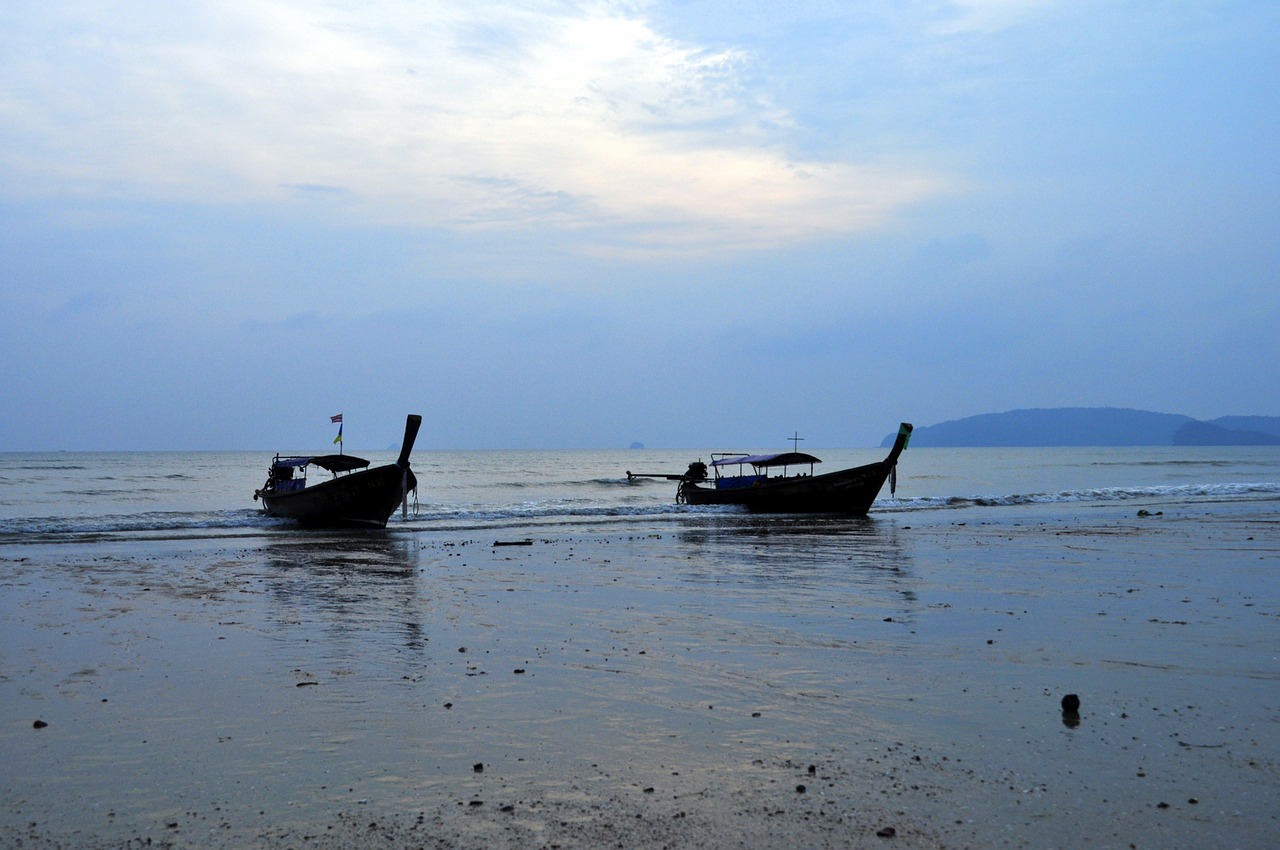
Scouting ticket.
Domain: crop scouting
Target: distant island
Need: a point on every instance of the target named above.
(1095, 426)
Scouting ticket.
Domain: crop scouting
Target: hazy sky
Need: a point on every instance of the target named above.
(691, 223)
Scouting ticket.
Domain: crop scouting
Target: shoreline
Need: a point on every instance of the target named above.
(655, 685)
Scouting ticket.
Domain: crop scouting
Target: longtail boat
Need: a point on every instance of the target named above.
(355, 496)
(750, 481)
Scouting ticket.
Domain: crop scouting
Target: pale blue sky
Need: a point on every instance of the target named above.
(579, 224)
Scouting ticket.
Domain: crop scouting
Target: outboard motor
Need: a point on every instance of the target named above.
(697, 471)
(275, 474)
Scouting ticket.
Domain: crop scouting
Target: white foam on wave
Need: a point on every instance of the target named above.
(542, 510)
(153, 521)
(1099, 494)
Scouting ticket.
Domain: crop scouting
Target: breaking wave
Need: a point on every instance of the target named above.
(587, 510)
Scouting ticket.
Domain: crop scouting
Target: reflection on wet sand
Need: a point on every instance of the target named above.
(710, 667)
(852, 553)
(346, 583)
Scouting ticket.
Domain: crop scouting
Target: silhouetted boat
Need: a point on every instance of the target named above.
(848, 491)
(364, 498)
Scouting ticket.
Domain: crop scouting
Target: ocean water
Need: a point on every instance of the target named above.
(63, 496)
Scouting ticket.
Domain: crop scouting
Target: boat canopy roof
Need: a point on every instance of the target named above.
(762, 461)
(333, 463)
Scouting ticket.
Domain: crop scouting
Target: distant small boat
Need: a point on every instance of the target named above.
(848, 491)
(362, 499)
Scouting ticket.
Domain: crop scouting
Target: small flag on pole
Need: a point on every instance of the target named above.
(338, 439)
(336, 419)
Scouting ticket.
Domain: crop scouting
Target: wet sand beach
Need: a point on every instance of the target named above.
(717, 681)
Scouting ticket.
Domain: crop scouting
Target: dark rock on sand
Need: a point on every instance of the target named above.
(1070, 711)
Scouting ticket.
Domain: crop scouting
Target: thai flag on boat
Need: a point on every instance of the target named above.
(336, 419)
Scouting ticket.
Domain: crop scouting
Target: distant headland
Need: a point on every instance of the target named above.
(1095, 426)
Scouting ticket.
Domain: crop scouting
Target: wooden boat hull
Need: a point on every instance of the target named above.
(359, 500)
(848, 491)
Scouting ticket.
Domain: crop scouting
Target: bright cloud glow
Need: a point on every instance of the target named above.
(582, 117)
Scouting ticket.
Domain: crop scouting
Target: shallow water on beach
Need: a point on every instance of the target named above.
(67, 495)
(217, 674)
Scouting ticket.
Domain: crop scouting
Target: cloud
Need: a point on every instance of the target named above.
(988, 16)
(581, 117)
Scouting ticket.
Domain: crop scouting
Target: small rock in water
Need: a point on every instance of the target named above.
(39, 724)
